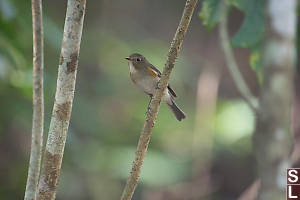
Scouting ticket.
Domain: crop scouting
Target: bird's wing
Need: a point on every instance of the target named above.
(172, 92)
(155, 72)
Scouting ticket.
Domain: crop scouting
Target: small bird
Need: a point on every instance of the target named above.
(146, 77)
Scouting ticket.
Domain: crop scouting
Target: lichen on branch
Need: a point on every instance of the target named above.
(64, 96)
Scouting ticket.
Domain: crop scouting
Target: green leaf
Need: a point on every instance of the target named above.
(298, 33)
(211, 12)
(251, 32)
(239, 4)
(256, 61)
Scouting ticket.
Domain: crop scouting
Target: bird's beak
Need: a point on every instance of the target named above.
(127, 58)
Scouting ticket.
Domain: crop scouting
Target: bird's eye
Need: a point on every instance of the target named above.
(138, 59)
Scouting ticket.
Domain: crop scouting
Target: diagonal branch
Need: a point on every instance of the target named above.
(64, 96)
(155, 103)
(38, 102)
(231, 62)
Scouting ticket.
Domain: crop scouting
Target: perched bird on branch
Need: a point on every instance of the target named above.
(146, 77)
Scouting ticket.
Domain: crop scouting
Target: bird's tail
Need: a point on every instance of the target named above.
(179, 114)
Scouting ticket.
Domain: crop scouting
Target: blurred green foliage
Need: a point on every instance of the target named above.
(251, 32)
(211, 12)
(237, 112)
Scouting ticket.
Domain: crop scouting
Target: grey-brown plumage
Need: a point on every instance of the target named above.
(146, 77)
(179, 114)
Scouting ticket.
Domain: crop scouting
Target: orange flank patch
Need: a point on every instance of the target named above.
(152, 72)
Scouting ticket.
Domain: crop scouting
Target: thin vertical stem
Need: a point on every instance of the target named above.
(38, 102)
(231, 62)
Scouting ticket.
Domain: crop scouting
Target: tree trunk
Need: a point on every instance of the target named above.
(59, 124)
(272, 139)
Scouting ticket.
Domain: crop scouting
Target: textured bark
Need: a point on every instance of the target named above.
(272, 139)
(232, 64)
(67, 69)
(38, 102)
(155, 103)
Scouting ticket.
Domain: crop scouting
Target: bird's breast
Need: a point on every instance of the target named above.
(143, 80)
(132, 68)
